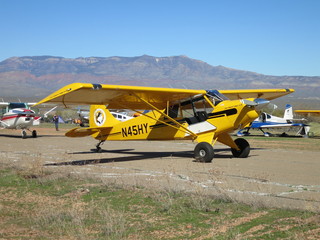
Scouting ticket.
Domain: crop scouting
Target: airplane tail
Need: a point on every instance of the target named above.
(100, 116)
(288, 113)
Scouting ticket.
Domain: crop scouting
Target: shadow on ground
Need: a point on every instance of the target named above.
(133, 156)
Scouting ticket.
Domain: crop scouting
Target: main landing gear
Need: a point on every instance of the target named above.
(204, 152)
(244, 148)
(24, 133)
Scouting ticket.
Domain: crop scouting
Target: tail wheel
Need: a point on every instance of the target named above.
(244, 148)
(203, 152)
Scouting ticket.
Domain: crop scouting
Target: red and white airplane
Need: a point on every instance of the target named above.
(18, 116)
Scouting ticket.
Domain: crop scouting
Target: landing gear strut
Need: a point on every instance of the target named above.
(99, 150)
(266, 134)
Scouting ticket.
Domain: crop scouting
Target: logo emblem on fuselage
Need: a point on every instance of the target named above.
(99, 117)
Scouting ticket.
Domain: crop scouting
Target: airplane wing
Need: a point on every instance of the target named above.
(308, 112)
(134, 97)
(3, 104)
(16, 104)
(275, 125)
(269, 94)
(118, 97)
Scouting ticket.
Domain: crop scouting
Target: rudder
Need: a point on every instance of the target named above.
(288, 113)
(100, 116)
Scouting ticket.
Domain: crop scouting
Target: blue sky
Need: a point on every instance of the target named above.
(274, 37)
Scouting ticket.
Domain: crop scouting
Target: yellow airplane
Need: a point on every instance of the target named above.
(204, 116)
(308, 112)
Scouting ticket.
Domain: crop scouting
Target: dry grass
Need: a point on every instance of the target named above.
(55, 206)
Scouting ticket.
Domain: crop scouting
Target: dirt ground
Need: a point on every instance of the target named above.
(274, 175)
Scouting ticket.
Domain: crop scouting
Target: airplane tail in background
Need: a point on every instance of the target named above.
(288, 113)
(100, 116)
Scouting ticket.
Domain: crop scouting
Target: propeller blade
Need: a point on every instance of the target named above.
(261, 103)
(249, 103)
(257, 103)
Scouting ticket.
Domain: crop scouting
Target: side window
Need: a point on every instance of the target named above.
(173, 111)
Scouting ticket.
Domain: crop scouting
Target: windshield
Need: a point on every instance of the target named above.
(17, 105)
(216, 96)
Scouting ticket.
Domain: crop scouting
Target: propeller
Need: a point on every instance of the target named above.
(258, 103)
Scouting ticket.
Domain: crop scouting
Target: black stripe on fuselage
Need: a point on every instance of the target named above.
(228, 112)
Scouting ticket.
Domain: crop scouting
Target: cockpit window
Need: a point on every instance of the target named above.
(17, 105)
(216, 96)
(196, 108)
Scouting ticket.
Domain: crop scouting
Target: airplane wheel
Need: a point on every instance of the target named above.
(244, 148)
(203, 152)
(34, 134)
(24, 134)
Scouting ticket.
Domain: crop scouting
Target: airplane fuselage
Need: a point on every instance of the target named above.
(19, 118)
(226, 116)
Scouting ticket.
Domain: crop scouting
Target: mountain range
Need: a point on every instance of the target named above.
(38, 76)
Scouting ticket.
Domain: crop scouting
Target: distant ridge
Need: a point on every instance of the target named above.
(41, 75)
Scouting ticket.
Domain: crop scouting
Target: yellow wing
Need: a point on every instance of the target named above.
(133, 97)
(118, 97)
(308, 112)
(256, 93)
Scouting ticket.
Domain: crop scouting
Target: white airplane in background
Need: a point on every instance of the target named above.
(18, 116)
(268, 121)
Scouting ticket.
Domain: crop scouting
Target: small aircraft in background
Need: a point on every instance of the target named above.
(203, 116)
(84, 116)
(19, 116)
(268, 121)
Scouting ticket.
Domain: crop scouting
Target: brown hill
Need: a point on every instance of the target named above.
(40, 75)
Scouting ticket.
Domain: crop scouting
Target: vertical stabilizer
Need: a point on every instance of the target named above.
(288, 113)
(100, 116)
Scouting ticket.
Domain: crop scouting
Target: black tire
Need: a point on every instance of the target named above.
(204, 152)
(244, 148)
(34, 134)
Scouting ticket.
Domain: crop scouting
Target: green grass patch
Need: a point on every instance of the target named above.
(52, 206)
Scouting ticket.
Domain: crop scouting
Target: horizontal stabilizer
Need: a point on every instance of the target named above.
(82, 132)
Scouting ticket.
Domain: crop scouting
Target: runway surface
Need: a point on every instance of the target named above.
(274, 175)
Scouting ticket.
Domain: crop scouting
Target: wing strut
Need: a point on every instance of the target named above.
(167, 116)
